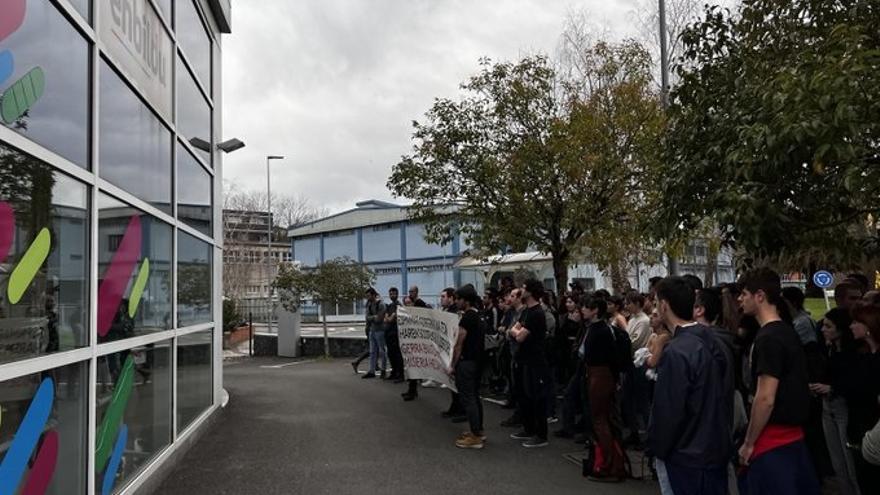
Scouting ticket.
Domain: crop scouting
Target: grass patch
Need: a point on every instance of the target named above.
(816, 306)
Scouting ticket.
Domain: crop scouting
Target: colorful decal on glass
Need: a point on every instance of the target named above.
(13, 16)
(113, 416)
(137, 290)
(44, 465)
(23, 274)
(117, 275)
(7, 229)
(21, 96)
(15, 462)
(7, 64)
(113, 465)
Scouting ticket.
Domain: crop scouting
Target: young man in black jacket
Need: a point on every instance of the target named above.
(690, 429)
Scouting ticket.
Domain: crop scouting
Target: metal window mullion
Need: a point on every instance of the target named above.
(73, 15)
(94, 124)
(191, 71)
(127, 197)
(192, 151)
(42, 363)
(201, 327)
(130, 343)
(130, 83)
(174, 391)
(44, 154)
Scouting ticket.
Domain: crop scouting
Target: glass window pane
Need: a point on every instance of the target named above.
(193, 280)
(165, 8)
(193, 112)
(44, 88)
(195, 378)
(143, 414)
(134, 264)
(193, 192)
(44, 231)
(62, 394)
(194, 39)
(135, 146)
(82, 6)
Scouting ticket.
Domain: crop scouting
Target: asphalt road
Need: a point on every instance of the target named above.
(316, 428)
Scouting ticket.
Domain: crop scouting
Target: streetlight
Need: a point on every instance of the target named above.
(672, 263)
(269, 159)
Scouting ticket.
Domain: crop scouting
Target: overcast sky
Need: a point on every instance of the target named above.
(334, 84)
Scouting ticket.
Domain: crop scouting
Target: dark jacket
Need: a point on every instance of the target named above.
(693, 401)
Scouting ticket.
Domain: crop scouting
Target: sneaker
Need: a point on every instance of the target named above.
(407, 397)
(369, 375)
(469, 442)
(482, 437)
(521, 435)
(552, 420)
(534, 443)
(354, 366)
(430, 383)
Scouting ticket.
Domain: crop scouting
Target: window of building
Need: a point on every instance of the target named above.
(193, 280)
(143, 414)
(46, 95)
(194, 40)
(43, 306)
(61, 396)
(165, 8)
(193, 111)
(135, 146)
(195, 376)
(83, 7)
(193, 192)
(134, 291)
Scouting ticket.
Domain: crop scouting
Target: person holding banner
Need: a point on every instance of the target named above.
(466, 365)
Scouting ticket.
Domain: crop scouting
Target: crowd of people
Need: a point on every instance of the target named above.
(732, 389)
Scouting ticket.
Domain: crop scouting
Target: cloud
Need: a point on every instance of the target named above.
(335, 84)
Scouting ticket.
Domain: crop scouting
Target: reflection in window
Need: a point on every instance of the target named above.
(193, 112)
(193, 192)
(135, 147)
(62, 395)
(195, 378)
(194, 39)
(44, 231)
(138, 413)
(82, 6)
(193, 280)
(165, 9)
(134, 265)
(46, 98)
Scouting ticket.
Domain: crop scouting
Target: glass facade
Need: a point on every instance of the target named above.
(109, 353)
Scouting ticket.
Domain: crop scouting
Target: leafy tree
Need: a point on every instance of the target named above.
(528, 159)
(337, 281)
(774, 132)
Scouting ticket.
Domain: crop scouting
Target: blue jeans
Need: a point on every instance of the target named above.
(835, 416)
(663, 477)
(377, 348)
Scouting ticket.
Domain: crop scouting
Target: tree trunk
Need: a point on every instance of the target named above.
(326, 335)
(560, 272)
(619, 281)
(711, 266)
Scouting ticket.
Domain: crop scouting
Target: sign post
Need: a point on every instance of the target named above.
(823, 280)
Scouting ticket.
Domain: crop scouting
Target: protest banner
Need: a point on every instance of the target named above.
(427, 338)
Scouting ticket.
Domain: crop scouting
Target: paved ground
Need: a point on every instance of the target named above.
(316, 428)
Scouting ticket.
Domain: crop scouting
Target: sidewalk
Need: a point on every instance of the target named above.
(314, 427)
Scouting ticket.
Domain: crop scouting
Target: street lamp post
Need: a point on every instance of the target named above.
(269, 232)
(672, 263)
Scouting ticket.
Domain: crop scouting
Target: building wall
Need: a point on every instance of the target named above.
(108, 239)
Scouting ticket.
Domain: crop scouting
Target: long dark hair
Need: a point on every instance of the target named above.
(842, 320)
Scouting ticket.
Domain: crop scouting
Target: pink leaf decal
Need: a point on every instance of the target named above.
(13, 16)
(116, 276)
(7, 229)
(44, 466)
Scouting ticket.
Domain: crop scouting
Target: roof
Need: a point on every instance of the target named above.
(366, 213)
(507, 260)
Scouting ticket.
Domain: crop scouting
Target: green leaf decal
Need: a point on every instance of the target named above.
(113, 416)
(138, 289)
(23, 93)
(28, 266)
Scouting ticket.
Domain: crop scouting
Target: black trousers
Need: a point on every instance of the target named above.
(534, 399)
(392, 343)
(467, 379)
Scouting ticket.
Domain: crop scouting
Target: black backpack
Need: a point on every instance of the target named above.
(623, 352)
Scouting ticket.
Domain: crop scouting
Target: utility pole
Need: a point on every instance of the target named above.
(269, 231)
(672, 263)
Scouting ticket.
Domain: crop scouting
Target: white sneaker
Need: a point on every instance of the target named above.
(430, 383)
